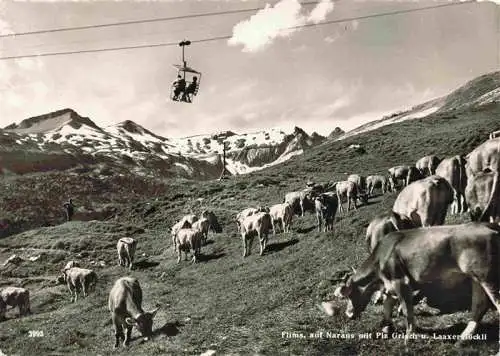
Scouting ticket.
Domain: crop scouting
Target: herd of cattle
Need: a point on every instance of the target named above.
(408, 250)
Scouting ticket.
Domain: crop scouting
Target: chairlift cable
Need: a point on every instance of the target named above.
(218, 38)
(134, 22)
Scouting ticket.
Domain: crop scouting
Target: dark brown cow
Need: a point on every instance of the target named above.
(125, 305)
(414, 259)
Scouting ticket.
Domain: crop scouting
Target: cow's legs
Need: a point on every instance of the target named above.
(118, 332)
(318, 219)
(302, 208)
(389, 303)
(491, 291)
(406, 297)
(262, 240)
(70, 290)
(84, 289)
(128, 335)
(480, 305)
(244, 246)
(273, 223)
(249, 248)
(464, 206)
(179, 253)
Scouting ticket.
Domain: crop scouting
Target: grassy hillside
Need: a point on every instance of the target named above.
(227, 303)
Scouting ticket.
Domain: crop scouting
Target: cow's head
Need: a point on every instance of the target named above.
(143, 323)
(358, 297)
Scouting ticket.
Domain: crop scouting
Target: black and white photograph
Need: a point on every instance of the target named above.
(249, 177)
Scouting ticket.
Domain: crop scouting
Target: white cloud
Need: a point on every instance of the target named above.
(259, 31)
(319, 13)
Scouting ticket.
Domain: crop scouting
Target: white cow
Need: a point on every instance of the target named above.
(125, 305)
(348, 190)
(187, 240)
(258, 224)
(79, 279)
(15, 297)
(126, 247)
(377, 181)
(281, 214)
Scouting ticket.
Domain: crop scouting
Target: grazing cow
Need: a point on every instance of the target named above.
(396, 174)
(360, 181)
(348, 190)
(183, 224)
(417, 259)
(427, 165)
(486, 158)
(478, 192)
(188, 240)
(210, 223)
(408, 174)
(281, 214)
(377, 181)
(258, 224)
(453, 170)
(214, 225)
(15, 297)
(247, 212)
(424, 202)
(79, 279)
(125, 305)
(203, 226)
(326, 208)
(126, 247)
(303, 200)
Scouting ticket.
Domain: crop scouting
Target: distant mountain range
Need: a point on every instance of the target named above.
(64, 140)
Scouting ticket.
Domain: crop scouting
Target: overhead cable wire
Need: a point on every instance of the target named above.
(134, 22)
(218, 38)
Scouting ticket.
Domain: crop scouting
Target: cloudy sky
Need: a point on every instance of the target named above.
(278, 68)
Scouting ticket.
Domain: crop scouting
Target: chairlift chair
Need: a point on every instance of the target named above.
(188, 74)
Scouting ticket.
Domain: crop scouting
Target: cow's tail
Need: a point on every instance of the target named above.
(491, 200)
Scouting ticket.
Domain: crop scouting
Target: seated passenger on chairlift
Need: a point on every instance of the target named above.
(179, 86)
(190, 90)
